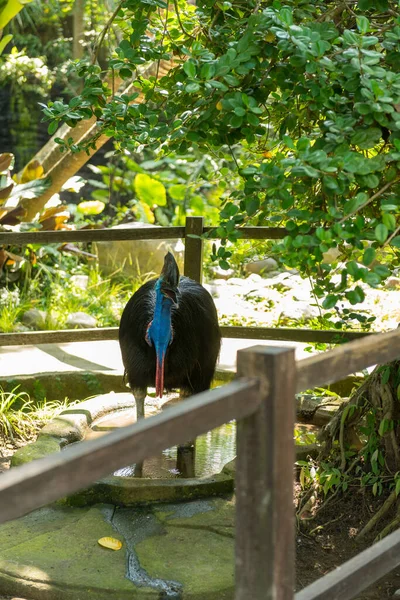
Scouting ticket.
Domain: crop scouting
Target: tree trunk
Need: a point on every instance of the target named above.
(78, 28)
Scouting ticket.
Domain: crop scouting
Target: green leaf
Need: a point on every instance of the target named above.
(207, 71)
(355, 296)
(177, 192)
(362, 24)
(369, 256)
(381, 233)
(372, 279)
(330, 301)
(395, 241)
(286, 16)
(190, 68)
(52, 128)
(389, 220)
(192, 88)
(218, 85)
(382, 271)
(252, 205)
(125, 73)
(149, 190)
(386, 374)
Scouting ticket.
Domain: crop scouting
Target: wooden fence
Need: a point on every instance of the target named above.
(262, 402)
(193, 267)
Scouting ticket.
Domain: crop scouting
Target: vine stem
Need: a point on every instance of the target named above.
(106, 28)
(373, 197)
(386, 506)
(178, 16)
(396, 231)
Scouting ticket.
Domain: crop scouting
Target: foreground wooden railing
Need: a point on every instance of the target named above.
(262, 402)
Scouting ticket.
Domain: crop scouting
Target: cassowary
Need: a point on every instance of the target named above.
(169, 336)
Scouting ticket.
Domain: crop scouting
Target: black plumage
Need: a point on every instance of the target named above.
(192, 353)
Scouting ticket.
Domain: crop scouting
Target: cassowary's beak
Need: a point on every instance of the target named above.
(160, 375)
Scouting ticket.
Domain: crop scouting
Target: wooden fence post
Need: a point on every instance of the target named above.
(264, 479)
(193, 265)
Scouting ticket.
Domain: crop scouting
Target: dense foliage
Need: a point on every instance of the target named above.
(305, 96)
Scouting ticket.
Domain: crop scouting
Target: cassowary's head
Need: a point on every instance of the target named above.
(159, 332)
(169, 278)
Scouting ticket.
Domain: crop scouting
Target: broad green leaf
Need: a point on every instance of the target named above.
(190, 69)
(396, 241)
(369, 256)
(389, 220)
(362, 24)
(149, 190)
(355, 296)
(192, 88)
(177, 191)
(8, 10)
(52, 128)
(330, 301)
(252, 206)
(381, 233)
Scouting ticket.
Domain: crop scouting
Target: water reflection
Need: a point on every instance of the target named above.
(203, 457)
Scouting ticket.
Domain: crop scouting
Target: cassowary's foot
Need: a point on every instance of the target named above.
(140, 396)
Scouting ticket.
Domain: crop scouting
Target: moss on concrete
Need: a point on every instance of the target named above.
(53, 553)
(128, 491)
(194, 550)
(62, 560)
(45, 444)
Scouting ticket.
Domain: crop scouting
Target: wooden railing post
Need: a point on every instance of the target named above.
(193, 265)
(264, 479)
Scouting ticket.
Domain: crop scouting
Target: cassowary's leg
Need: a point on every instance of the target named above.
(185, 459)
(186, 452)
(140, 396)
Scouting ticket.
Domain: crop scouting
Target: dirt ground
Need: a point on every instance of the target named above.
(322, 544)
(328, 541)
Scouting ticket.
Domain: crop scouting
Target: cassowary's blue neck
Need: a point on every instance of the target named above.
(159, 334)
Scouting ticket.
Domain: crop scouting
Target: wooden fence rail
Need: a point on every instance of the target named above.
(193, 267)
(62, 336)
(262, 401)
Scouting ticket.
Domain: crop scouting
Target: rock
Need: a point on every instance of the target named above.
(34, 318)
(137, 257)
(255, 278)
(236, 281)
(299, 310)
(21, 328)
(261, 266)
(219, 273)
(80, 320)
(393, 283)
(80, 281)
(396, 594)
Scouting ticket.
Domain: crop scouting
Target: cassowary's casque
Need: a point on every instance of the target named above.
(169, 336)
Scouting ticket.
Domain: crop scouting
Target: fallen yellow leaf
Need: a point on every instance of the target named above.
(111, 543)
